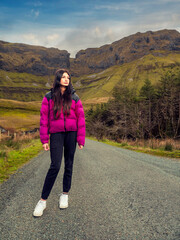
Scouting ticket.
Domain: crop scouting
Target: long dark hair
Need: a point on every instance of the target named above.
(60, 99)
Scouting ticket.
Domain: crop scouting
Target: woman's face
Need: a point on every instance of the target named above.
(65, 79)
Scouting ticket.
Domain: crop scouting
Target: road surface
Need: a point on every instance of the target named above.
(116, 194)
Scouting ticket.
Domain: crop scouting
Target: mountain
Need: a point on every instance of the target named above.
(124, 51)
(16, 57)
(27, 72)
(98, 87)
(42, 61)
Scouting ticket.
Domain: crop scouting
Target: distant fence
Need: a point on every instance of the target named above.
(5, 134)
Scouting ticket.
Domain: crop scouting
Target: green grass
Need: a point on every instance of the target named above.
(12, 160)
(22, 119)
(157, 152)
(25, 115)
(15, 79)
(23, 86)
(131, 75)
(12, 104)
(21, 113)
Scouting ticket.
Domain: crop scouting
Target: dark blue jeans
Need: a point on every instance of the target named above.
(58, 141)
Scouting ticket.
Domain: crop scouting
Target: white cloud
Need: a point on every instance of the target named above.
(94, 35)
(53, 37)
(175, 18)
(37, 35)
(31, 38)
(34, 13)
(97, 31)
(38, 4)
(165, 1)
(34, 3)
(138, 7)
(133, 7)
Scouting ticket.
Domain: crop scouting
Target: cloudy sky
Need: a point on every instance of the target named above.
(74, 25)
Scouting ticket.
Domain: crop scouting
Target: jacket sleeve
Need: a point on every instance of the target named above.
(81, 131)
(44, 121)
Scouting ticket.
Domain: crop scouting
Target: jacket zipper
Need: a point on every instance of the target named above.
(64, 118)
(64, 123)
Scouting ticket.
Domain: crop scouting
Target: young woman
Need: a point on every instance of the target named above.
(62, 116)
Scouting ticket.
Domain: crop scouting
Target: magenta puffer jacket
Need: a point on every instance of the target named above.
(75, 121)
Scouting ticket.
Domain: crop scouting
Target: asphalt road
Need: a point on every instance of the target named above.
(116, 194)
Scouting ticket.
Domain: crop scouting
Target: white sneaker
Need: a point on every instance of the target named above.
(38, 211)
(63, 201)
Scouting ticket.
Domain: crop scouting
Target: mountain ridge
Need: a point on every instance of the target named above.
(124, 50)
(38, 60)
(27, 72)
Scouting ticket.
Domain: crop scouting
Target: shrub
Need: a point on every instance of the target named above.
(3, 154)
(168, 147)
(124, 144)
(13, 144)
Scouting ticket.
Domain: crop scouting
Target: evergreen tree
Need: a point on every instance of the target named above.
(147, 91)
(168, 105)
(147, 94)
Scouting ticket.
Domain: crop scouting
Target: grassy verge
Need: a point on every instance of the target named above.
(14, 154)
(157, 152)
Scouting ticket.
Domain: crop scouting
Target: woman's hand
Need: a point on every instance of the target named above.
(80, 146)
(46, 146)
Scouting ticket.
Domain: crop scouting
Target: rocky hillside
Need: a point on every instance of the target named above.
(98, 87)
(93, 60)
(36, 60)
